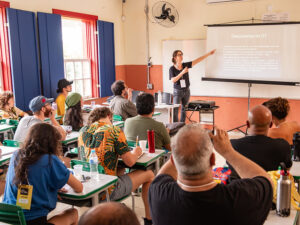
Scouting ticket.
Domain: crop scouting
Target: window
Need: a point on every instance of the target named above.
(77, 64)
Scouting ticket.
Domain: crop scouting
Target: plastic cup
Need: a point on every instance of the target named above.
(143, 144)
(93, 103)
(78, 171)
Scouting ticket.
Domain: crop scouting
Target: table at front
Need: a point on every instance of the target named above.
(165, 117)
(6, 153)
(91, 189)
(146, 160)
(204, 111)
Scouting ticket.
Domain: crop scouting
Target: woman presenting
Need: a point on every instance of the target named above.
(179, 75)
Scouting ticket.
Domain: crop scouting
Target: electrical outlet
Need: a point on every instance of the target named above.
(149, 86)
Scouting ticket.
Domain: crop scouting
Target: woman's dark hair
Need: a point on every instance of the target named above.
(117, 87)
(73, 117)
(4, 98)
(279, 107)
(98, 114)
(174, 56)
(145, 103)
(42, 139)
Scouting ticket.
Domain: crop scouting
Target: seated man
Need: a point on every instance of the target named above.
(109, 213)
(257, 146)
(121, 104)
(110, 143)
(184, 190)
(138, 125)
(41, 108)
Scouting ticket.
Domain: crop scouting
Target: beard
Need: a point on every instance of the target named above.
(47, 112)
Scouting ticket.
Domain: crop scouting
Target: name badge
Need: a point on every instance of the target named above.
(182, 84)
(24, 196)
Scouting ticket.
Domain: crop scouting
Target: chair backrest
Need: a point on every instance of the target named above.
(11, 143)
(166, 98)
(86, 166)
(117, 118)
(12, 214)
(134, 95)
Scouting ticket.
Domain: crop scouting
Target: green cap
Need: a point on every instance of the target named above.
(72, 99)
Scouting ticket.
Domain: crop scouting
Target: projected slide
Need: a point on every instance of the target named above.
(255, 52)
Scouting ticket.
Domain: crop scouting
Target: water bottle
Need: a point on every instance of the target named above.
(159, 98)
(283, 203)
(93, 160)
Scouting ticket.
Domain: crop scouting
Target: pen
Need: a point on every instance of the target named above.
(137, 141)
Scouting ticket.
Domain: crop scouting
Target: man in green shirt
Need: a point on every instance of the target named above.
(138, 125)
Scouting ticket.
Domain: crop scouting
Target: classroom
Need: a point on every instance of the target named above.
(161, 112)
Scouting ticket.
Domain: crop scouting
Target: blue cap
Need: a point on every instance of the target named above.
(38, 102)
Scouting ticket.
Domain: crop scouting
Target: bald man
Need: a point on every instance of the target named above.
(265, 151)
(109, 213)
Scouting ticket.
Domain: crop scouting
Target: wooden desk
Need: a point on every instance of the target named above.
(147, 159)
(91, 189)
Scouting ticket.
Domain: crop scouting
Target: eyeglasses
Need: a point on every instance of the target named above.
(180, 54)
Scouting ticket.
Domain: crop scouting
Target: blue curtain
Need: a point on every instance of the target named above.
(106, 48)
(24, 56)
(51, 52)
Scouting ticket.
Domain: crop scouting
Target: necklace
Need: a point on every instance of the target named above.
(200, 186)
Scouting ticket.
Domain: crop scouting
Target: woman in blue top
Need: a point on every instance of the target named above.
(38, 164)
(179, 75)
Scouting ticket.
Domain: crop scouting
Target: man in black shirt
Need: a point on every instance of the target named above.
(263, 150)
(184, 191)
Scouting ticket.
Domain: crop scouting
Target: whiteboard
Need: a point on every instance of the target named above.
(194, 48)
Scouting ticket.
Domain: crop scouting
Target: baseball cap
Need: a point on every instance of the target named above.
(62, 84)
(38, 102)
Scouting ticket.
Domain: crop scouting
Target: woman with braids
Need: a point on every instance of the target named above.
(38, 165)
(73, 116)
(110, 143)
(283, 129)
(8, 110)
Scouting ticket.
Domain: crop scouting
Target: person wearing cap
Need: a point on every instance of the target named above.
(41, 108)
(63, 88)
(73, 116)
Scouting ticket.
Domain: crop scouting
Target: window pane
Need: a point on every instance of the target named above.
(86, 69)
(78, 70)
(79, 86)
(87, 88)
(69, 66)
(73, 39)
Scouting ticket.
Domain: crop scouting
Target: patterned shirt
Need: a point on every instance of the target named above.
(14, 113)
(108, 141)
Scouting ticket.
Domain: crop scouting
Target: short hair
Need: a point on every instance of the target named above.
(145, 103)
(192, 149)
(4, 98)
(279, 107)
(97, 114)
(117, 87)
(109, 213)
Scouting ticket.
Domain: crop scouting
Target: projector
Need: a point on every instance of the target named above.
(199, 104)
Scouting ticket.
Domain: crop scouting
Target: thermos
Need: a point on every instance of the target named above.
(283, 203)
(151, 141)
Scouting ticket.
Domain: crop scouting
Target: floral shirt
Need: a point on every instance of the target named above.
(14, 113)
(108, 141)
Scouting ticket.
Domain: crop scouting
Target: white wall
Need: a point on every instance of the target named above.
(107, 10)
(193, 14)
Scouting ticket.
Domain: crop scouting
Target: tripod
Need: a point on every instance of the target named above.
(244, 125)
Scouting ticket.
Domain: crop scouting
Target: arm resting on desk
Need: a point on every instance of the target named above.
(130, 158)
(75, 184)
